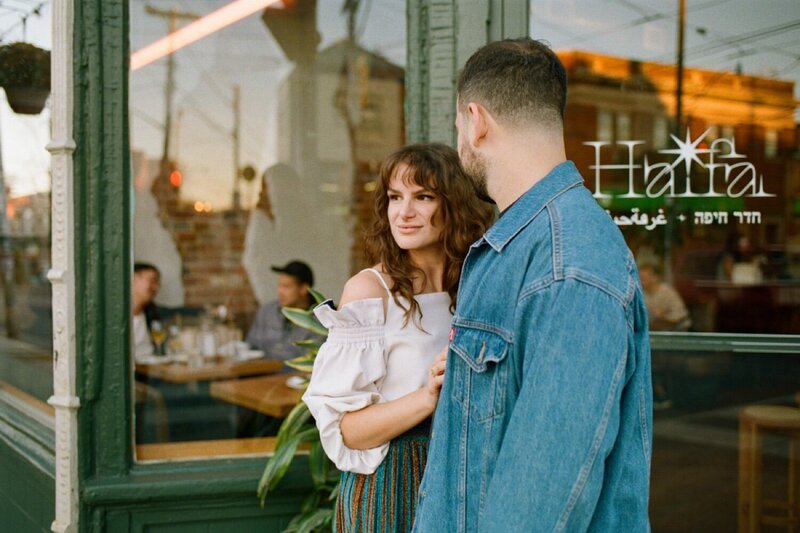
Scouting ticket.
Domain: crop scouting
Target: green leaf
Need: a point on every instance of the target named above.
(311, 502)
(318, 296)
(293, 423)
(304, 319)
(334, 495)
(304, 363)
(318, 464)
(319, 520)
(311, 344)
(280, 461)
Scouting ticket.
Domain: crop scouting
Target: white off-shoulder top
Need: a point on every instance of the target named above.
(369, 359)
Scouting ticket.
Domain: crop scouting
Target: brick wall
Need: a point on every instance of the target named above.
(211, 245)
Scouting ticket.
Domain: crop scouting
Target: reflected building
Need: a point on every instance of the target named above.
(340, 113)
(613, 101)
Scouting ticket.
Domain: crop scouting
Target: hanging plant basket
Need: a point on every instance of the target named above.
(27, 100)
(25, 76)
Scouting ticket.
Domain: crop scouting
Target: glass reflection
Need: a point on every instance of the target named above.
(254, 144)
(25, 297)
(707, 200)
(708, 196)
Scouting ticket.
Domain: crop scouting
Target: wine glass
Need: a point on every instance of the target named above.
(159, 335)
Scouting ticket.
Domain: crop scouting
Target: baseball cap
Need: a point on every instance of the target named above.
(298, 269)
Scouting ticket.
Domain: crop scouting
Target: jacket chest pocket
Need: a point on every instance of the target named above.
(479, 373)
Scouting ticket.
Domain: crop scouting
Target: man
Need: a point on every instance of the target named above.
(665, 311)
(665, 307)
(144, 288)
(544, 420)
(271, 331)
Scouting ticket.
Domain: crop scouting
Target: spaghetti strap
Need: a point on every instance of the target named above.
(380, 278)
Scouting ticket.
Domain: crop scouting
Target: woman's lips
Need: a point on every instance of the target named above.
(408, 229)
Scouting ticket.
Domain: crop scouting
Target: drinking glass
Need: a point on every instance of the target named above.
(159, 335)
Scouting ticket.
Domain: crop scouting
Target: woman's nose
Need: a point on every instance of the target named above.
(407, 209)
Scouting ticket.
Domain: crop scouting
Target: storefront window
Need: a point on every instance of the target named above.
(256, 135)
(26, 334)
(703, 183)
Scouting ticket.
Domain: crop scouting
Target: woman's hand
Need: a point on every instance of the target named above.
(436, 378)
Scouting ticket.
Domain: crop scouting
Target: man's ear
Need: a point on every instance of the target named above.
(478, 121)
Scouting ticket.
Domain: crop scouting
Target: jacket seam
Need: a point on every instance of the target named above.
(583, 476)
(483, 326)
(555, 239)
(502, 244)
(577, 275)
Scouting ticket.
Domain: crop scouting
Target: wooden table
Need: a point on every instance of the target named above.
(266, 394)
(219, 369)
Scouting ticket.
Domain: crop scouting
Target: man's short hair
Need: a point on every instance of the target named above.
(141, 267)
(519, 81)
(297, 269)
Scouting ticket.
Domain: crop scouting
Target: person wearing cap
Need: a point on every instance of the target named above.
(271, 331)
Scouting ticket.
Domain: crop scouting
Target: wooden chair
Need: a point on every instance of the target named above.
(148, 395)
(754, 422)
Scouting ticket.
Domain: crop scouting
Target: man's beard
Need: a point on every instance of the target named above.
(475, 167)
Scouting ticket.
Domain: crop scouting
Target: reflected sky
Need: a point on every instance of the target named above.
(727, 35)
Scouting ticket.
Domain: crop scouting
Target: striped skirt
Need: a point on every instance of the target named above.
(384, 502)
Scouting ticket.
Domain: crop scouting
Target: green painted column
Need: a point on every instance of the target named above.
(442, 34)
(102, 237)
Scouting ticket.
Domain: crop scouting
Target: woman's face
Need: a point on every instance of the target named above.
(413, 211)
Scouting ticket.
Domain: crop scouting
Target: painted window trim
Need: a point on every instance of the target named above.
(93, 201)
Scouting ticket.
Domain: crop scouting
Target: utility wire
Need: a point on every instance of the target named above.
(23, 19)
(147, 118)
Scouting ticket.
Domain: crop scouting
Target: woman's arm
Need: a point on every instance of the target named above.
(379, 423)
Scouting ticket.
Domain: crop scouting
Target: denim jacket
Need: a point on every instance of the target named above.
(544, 421)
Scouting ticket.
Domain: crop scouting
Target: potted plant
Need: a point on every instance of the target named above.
(316, 511)
(25, 76)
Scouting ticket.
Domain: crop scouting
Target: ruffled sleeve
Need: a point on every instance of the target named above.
(348, 371)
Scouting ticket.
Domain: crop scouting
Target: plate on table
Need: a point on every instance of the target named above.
(297, 382)
(247, 355)
(181, 357)
(154, 359)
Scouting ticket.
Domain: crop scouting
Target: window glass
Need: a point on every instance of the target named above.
(605, 130)
(710, 214)
(715, 190)
(26, 335)
(255, 146)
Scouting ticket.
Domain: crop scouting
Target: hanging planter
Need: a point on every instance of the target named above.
(25, 76)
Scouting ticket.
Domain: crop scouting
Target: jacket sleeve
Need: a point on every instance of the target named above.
(572, 361)
(347, 375)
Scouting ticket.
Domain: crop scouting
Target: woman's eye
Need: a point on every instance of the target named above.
(426, 197)
(394, 197)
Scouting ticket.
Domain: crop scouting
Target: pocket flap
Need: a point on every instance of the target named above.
(478, 347)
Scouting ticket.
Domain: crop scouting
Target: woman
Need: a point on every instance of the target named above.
(376, 380)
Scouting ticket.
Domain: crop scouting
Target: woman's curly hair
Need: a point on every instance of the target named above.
(437, 168)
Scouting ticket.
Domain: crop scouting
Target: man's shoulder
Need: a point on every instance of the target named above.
(588, 244)
(272, 307)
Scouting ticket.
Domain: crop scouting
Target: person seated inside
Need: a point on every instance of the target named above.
(271, 331)
(665, 307)
(665, 311)
(144, 288)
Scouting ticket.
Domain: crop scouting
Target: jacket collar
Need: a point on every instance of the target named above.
(519, 214)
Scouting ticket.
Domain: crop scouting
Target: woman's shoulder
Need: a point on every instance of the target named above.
(362, 304)
(367, 284)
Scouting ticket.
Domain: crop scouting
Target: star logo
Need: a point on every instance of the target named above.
(687, 151)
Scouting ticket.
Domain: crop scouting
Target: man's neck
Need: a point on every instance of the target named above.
(521, 163)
